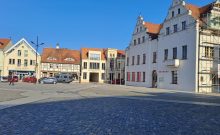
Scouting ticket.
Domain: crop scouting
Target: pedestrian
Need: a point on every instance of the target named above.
(11, 79)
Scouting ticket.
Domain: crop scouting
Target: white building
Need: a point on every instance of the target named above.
(182, 53)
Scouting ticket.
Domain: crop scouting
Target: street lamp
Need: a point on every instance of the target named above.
(37, 46)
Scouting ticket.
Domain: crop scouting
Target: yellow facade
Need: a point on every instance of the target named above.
(89, 74)
(20, 59)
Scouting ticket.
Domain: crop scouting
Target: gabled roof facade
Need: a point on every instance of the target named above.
(60, 56)
(18, 43)
(85, 53)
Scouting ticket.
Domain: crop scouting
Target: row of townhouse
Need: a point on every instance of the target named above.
(86, 65)
(182, 53)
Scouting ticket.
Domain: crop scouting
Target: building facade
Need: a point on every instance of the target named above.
(115, 65)
(93, 63)
(4, 44)
(179, 54)
(58, 60)
(20, 59)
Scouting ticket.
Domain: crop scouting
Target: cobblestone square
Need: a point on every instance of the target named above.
(99, 109)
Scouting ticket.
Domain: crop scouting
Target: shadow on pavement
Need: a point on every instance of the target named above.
(106, 116)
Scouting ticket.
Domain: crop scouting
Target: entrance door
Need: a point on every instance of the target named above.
(94, 77)
(154, 79)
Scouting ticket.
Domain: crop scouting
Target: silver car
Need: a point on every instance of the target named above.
(49, 80)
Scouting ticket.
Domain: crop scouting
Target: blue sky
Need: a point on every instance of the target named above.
(79, 23)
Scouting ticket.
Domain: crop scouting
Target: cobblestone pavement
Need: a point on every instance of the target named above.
(93, 109)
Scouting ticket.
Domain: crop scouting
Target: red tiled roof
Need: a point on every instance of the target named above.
(85, 51)
(60, 56)
(4, 42)
(152, 28)
(121, 52)
(198, 11)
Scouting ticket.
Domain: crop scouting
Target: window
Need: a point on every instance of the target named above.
(137, 30)
(138, 60)
(173, 13)
(175, 28)
(94, 56)
(25, 62)
(84, 75)
(25, 53)
(103, 66)
(174, 77)
(103, 76)
(184, 52)
(144, 58)
(51, 65)
(167, 30)
(179, 11)
(183, 25)
(139, 41)
(132, 60)
(19, 62)
(127, 61)
(209, 52)
(143, 39)
(133, 76)
(11, 61)
(140, 29)
(144, 76)
(119, 65)
(85, 65)
(19, 52)
(138, 76)
(175, 53)
(135, 42)
(128, 77)
(32, 62)
(154, 57)
(166, 54)
(94, 65)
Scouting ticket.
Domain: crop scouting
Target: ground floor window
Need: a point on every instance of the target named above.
(133, 76)
(174, 77)
(138, 76)
(84, 75)
(128, 77)
(103, 76)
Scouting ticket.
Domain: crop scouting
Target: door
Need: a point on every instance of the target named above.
(154, 79)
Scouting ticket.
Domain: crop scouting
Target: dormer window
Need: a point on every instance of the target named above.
(173, 13)
(179, 11)
(51, 58)
(69, 59)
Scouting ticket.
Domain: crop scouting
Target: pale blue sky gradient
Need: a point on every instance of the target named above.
(79, 23)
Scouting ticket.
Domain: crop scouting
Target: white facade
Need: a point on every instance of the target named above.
(175, 72)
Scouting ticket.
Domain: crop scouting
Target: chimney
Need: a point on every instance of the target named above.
(58, 46)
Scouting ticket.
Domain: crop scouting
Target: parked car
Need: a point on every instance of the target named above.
(4, 79)
(15, 78)
(118, 81)
(39, 80)
(64, 78)
(29, 79)
(49, 80)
